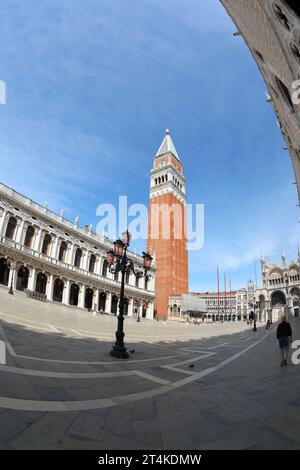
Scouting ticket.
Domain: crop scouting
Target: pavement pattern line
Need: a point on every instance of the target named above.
(7, 343)
(175, 368)
(47, 406)
(81, 375)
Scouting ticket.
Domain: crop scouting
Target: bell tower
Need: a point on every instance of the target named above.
(167, 238)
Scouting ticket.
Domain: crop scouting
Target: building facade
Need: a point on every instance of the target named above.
(167, 240)
(271, 30)
(280, 291)
(223, 306)
(43, 252)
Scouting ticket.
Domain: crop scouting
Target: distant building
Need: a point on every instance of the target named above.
(235, 305)
(280, 291)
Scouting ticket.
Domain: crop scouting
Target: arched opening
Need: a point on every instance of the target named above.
(74, 293)
(278, 298)
(11, 228)
(104, 268)
(88, 299)
(29, 237)
(58, 290)
(92, 263)
(62, 251)
(102, 302)
(41, 283)
(114, 304)
(22, 278)
(4, 271)
(46, 245)
(261, 302)
(127, 277)
(78, 256)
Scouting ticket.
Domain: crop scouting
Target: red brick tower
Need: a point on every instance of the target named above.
(167, 240)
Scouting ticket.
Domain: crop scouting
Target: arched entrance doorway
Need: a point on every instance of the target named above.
(41, 283)
(102, 302)
(278, 303)
(22, 278)
(4, 271)
(74, 292)
(58, 290)
(114, 304)
(88, 300)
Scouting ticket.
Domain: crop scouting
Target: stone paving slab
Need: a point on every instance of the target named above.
(237, 398)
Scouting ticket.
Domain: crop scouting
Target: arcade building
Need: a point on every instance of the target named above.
(52, 258)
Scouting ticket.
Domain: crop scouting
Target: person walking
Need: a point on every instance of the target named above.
(284, 336)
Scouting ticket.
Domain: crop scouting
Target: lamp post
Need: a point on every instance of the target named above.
(118, 260)
(254, 315)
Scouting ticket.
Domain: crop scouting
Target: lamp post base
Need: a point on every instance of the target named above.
(119, 352)
(254, 327)
(11, 292)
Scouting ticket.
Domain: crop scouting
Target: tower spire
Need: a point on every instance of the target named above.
(167, 146)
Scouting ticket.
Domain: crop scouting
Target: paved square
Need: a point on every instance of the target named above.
(60, 388)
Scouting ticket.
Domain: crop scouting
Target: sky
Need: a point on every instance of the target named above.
(91, 88)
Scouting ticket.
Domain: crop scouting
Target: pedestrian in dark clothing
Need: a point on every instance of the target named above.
(284, 335)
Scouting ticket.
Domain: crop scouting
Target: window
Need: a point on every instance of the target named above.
(29, 237)
(11, 228)
(92, 263)
(78, 256)
(281, 16)
(104, 268)
(296, 52)
(46, 245)
(62, 251)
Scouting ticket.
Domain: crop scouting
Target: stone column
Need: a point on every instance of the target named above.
(2, 222)
(37, 242)
(66, 292)
(95, 305)
(12, 275)
(86, 260)
(49, 288)
(20, 232)
(71, 254)
(31, 280)
(55, 248)
(108, 302)
(150, 310)
(81, 296)
(130, 308)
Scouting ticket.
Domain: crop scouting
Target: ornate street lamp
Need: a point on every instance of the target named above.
(118, 260)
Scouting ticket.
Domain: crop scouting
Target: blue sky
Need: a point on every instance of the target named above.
(91, 87)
